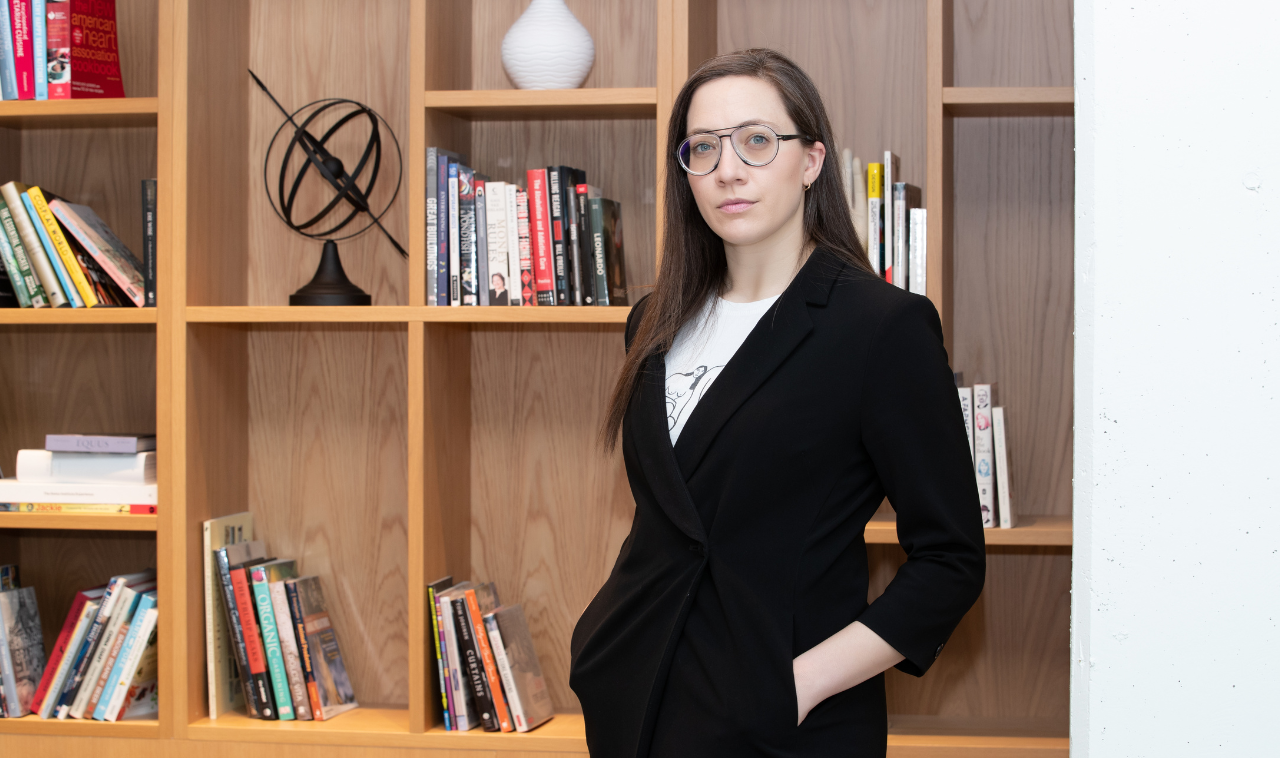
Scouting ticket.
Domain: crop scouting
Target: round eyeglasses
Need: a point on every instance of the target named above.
(756, 144)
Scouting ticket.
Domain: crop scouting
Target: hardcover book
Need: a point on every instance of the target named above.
(455, 236)
(891, 174)
(336, 694)
(984, 460)
(271, 644)
(47, 467)
(59, 663)
(21, 648)
(42, 241)
(1004, 496)
(39, 45)
(58, 48)
(18, 262)
(149, 241)
(918, 252)
(592, 278)
(14, 224)
(433, 224)
(475, 614)
(304, 650)
(433, 589)
(526, 673)
(138, 665)
(482, 241)
(555, 224)
(462, 703)
(467, 235)
(223, 558)
(524, 244)
(277, 573)
(471, 665)
(540, 237)
(226, 693)
(495, 284)
(23, 51)
(107, 249)
(100, 443)
(124, 601)
(513, 246)
(875, 216)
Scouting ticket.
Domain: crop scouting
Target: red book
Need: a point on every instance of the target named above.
(490, 667)
(540, 234)
(528, 293)
(252, 642)
(95, 57)
(64, 637)
(58, 45)
(23, 60)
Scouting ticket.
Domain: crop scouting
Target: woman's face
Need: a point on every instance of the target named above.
(745, 204)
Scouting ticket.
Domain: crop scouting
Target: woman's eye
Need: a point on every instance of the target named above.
(758, 140)
(702, 148)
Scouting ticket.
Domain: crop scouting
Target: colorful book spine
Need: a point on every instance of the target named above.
(143, 644)
(509, 689)
(57, 668)
(22, 263)
(467, 235)
(472, 667)
(84, 656)
(441, 661)
(23, 53)
(555, 224)
(58, 47)
(110, 253)
(39, 262)
(55, 260)
(53, 233)
(442, 233)
(513, 245)
(39, 48)
(501, 715)
(9, 266)
(304, 649)
(583, 244)
(121, 509)
(129, 639)
(149, 241)
(891, 175)
(8, 75)
(271, 645)
(455, 237)
(595, 207)
(540, 236)
(482, 242)
(1004, 496)
(461, 701)
(615, 261)
(292, 654)
(984, 460)
(433, 224)
(875, 218)
(257, 659)
(524, 244)
(105, 656)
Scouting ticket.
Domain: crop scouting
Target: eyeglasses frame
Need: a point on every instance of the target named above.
(733, 130)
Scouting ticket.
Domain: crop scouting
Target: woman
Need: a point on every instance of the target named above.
(775, 391)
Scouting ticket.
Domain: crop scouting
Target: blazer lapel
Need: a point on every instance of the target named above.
(777, 334)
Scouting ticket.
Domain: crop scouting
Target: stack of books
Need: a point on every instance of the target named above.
(558, 242)
(59, 49)
(486, 665)
(896, 227)
(58, 254)
(103, 665)
(985, 423)
(272, 650)
(102, 473)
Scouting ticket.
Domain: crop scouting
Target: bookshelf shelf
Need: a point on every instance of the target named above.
(34, 725)
(1009, 101)
(364, 726)
(282, 314)
(524, 105)
(77, 316)
(98, 522)
(95, 113)
(614, 314)
(1045, 531)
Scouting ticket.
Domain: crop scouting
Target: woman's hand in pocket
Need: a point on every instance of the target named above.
(845, 659)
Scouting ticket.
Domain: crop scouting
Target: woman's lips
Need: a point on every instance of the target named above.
(736, 205)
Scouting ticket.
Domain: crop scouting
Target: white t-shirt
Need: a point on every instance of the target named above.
(700, 351)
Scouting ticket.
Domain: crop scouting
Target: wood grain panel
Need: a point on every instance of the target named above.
(625, 36)
(305, 50)
(139, 45)
(549, 511)
(618, 157)
(1013, 254)
(74, 379)
(866, 58)
(1014, 43)
(1010, 656)
(448, 44)
(328, 477)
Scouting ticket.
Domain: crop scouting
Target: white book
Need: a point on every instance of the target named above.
(495, 220)
(464, 718)
(225, 691)
(966, 407)
(124, 601)
(1004, 497)
(917, 260)
(43, 466)
(14, 491)
(890, 173)
(984, 460)
(130, 666)
(874, 205)
(504, 670)
(513, 247)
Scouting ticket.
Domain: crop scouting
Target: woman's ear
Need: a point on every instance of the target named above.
(816, 154)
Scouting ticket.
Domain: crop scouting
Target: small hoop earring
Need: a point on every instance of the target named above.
(807, 186)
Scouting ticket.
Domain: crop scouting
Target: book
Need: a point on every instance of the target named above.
(555, 225)
(905, 198)
(966, 408)
(593, 279)
(21, 266)
(13, 224)
(94, 58)
(13, 288)
(58, 48)
(574, 257)
(59, 664)
(540, 237)
(514, 706)
(472, 669)
(48, 467)
(99, 443)
(149, 242)
(462, 704)
(442, 234)
(107, 249)
(615, 259)
(23, 52)
(119, 509)
(917, 252)
(9, 577)
(524, 240)
(8, 74)
(455, 237)
(495, 284)
(875, 216)
(103, 286)
(134, 692)
(222, 676)
(527, 683)
(43, 241)
(482, 241)
(8, 298)
(39, 48)
(21, 648)
(124, 600)
(433, 227)
(1004, 496)
(433, 588)
(223, 561)
(467, 235)
(890, 172)
(256, 673)
(304, 649)
(485, 653)
(271, 641)
(514, 286)
(277, 573)
(13, 491)
(336, 694)
(984, 451)
(135, 642)
(125, 639)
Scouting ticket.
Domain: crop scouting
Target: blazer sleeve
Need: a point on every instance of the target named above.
(913, 429)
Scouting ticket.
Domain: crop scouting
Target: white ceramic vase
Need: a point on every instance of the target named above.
(548, 48)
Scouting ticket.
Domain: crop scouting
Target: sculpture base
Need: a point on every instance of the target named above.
(330, 285)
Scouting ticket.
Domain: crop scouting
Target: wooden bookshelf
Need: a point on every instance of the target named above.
(390, 445)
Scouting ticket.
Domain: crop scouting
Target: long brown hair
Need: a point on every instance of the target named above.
(693, 261)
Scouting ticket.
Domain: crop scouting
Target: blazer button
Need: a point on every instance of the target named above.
(938, 652)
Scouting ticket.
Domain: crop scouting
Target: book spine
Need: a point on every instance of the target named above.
(8, 75)
(304, 650)
(271, 645)
(486, 659)
(45, 276)
(540, 236)
(84, 656)
(39, 48)
(108, 666)
(504, 672)
(482, 242)
(433, 225)
(1004, 496)
(875, 218)
(121, 689)
(438, 642)
(238, 646)
(59, 244)
(528, 279)
(900, 235)
(120, 509)
(615, 263)
(110, 260)
(890, 174)
(461, 704)
(23, 52)
(966, 408)
(40, 239)
(555, 223)
(261, 687)
(472, 667)
(496, 234)
(58, 49)
(984, 453)
(149, 241)
(455, 284)
(31, 281)
(573, 250)
(117, 668)
(916, 276)
(595, 207)
(467, 235)
(8, 680)
(585, 251)
(59, 649)
(10, 265)
(289, 649)
(514, 287)
(442, 232)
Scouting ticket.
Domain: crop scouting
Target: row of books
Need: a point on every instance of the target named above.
(59, 49)
(985, 423)
(271, 646)
(75, 473)
(559, 242)
(103, 664)
(54, 253)
(896, 226)
(486, 666)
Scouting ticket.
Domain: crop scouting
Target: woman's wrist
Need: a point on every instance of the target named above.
(846, 659)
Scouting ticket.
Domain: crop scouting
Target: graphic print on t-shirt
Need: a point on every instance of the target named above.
(684, 387)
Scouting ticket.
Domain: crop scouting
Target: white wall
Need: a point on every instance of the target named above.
(1176, 577)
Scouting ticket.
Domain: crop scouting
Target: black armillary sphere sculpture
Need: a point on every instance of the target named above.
(352, 188)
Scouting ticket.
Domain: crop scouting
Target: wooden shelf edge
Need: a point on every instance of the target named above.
(609, 314)
(1009, 101)
(77, 315)
(34, 725)
(1044, 531)
(515, 104)
(281, 314)
(124, 111)
(102, 522)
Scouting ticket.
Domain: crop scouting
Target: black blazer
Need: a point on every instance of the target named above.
(747, 545)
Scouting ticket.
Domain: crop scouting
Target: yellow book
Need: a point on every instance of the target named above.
(875, 180)
(64, 249)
